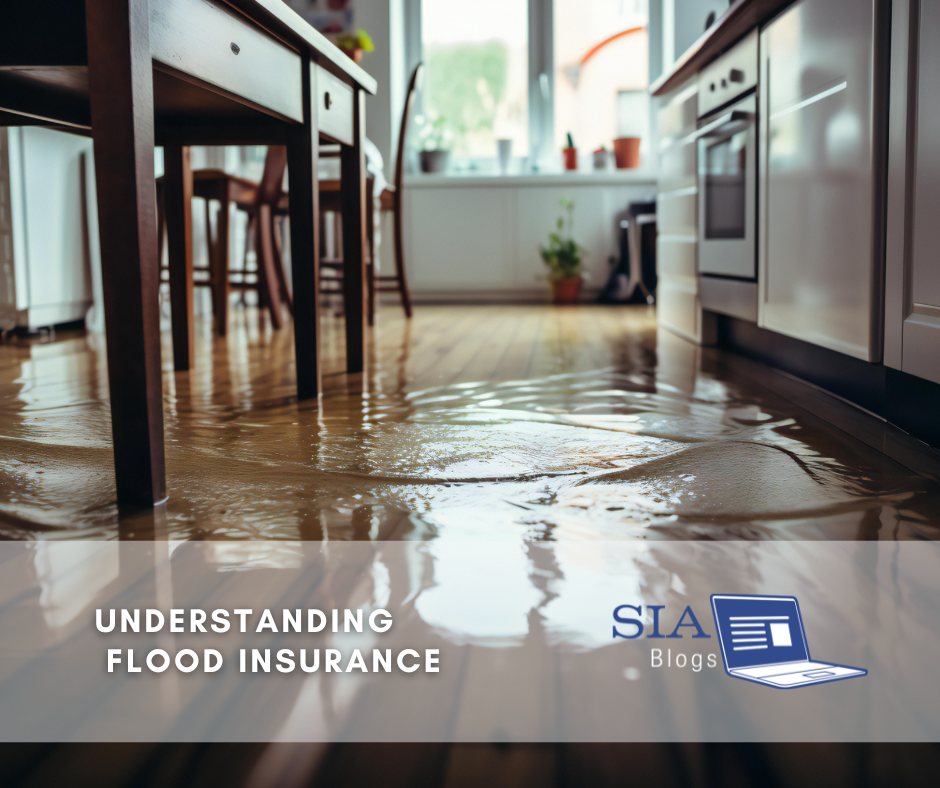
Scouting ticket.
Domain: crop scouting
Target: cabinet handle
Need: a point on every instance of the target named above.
(235, 48)
(327, 101)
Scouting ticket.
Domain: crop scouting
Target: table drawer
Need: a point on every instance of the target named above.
(216, 45)
(334, 106)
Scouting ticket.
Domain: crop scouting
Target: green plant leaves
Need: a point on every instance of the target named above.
(563, 256)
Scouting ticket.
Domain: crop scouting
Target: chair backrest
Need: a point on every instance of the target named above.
(272, 180)
(403, 131)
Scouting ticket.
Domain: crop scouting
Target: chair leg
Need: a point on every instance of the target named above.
(161, 223)
(210, 256)
(267, 277)
(279, 265)
(219, 262)
(370, 249)
(249, 242)
(370, 285)
(178, 196)
(400, 257)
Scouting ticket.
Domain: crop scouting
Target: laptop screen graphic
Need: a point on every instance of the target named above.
(758, 630)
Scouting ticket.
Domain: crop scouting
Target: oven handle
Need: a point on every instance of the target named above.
(717, 127)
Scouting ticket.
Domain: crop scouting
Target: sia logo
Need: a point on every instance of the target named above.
(762, 640)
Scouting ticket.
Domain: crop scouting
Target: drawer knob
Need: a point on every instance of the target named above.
(235, 48)
(327, 101)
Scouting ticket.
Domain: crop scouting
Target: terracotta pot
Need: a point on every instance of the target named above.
(567, 290)
(353, 54)
(627, 152)
(571, 158)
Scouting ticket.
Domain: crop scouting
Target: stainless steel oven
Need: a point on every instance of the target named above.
(726, 142)
(727, 177)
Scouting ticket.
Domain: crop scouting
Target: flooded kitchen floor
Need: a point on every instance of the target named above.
(472, 422)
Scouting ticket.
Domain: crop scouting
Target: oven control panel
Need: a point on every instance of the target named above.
(726, 78)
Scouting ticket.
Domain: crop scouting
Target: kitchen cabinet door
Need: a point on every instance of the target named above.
(821, 217)
(921, 328)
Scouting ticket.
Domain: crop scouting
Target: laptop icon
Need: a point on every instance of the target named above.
(763, 640)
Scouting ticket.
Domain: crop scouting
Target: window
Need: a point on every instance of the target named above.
(601, 71)
(532, 71)
(477, 73)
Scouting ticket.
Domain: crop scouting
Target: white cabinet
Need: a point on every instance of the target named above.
(912, 299)
(45, 276)
(469, 238)
(821, 185)
(677, 299)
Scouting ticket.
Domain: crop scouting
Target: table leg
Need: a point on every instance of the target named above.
(353, 195)
(121, 87)
(370, 245)
(178, 207)
(302, 154)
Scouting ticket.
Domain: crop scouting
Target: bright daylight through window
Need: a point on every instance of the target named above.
(479, 92)
(477, 76)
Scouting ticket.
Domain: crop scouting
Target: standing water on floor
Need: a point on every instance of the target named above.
(481, 423)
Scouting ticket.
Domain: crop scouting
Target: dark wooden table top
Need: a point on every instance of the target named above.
(44, 74)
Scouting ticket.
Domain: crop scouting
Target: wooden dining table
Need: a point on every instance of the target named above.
(133, 74)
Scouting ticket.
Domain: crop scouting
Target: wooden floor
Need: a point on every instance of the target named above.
(234, 428)
(456, 388)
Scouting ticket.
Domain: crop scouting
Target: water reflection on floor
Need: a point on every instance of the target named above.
(472, 422)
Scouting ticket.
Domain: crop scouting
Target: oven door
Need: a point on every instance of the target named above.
(727, 168)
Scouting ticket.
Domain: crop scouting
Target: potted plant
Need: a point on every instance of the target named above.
(434, 140)
(570, 153)
(354, 44)
(564, 258)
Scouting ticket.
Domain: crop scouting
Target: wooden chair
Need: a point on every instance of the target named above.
(390, 200)
(260, 201)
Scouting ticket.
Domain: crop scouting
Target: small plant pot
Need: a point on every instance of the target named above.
(600, 160)
(627, 152)
(353, 54)
(571, 158)
(567, 290)
(434, 160)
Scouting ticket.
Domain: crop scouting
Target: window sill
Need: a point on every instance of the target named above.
(587, 178)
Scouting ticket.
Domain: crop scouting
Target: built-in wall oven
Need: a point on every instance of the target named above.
(727, 182)
(727, 171)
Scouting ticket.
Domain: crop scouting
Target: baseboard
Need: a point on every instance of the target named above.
(902, 399)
